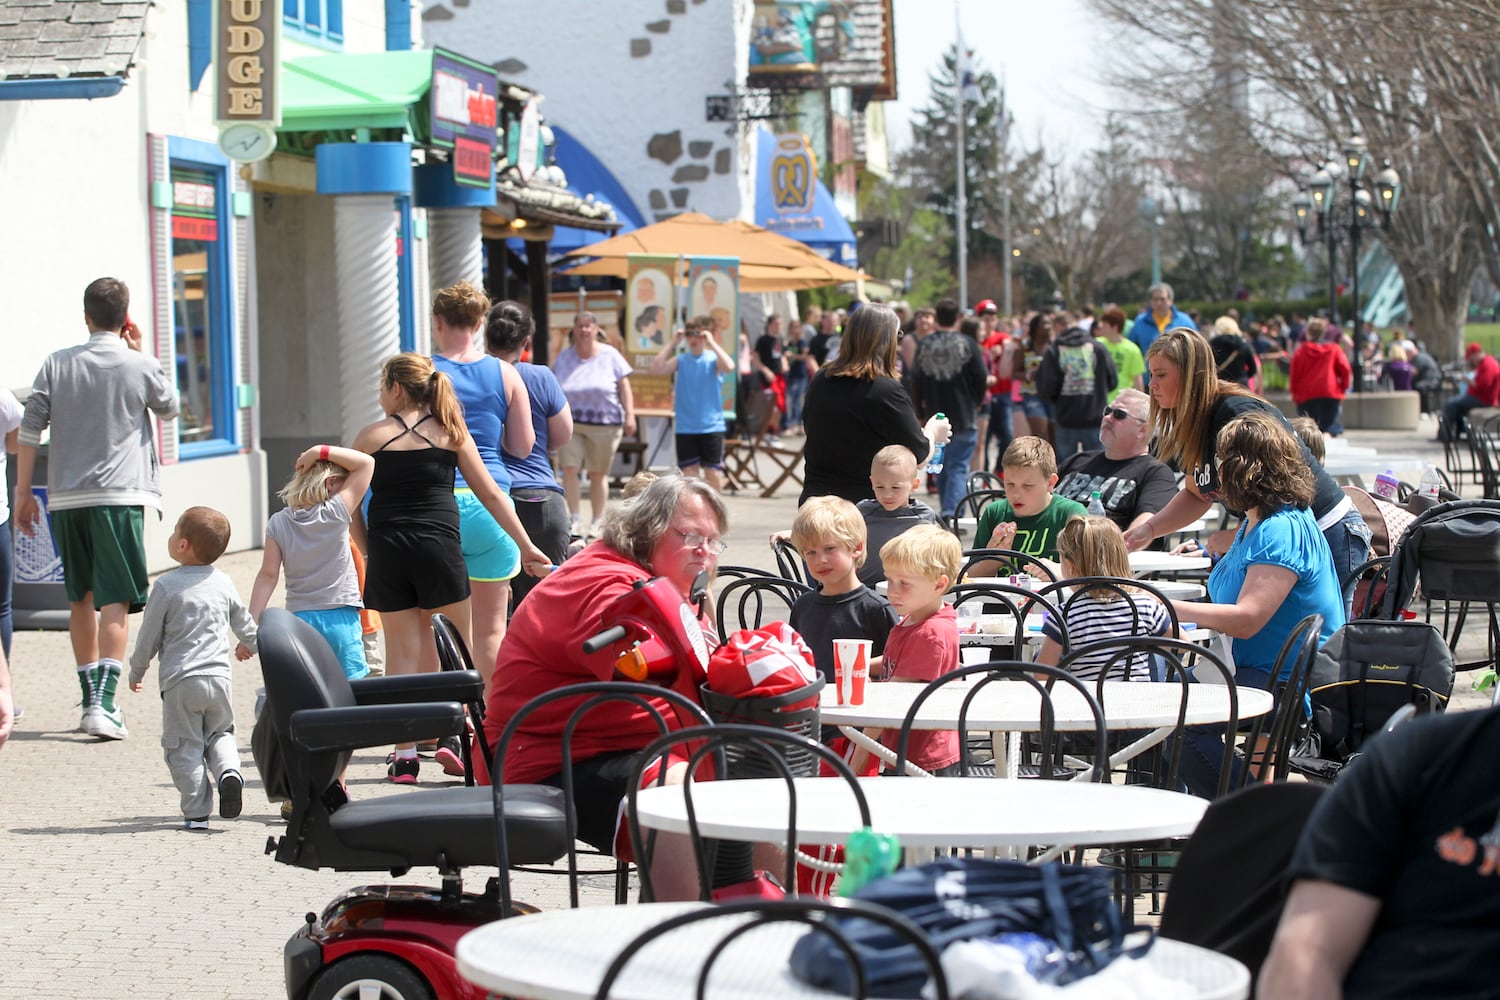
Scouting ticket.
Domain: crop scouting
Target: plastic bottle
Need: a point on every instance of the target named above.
(1386, 486)
(935, 463)
(1431, 483)
(1096, 505)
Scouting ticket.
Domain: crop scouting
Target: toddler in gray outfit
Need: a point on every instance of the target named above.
(186, 627)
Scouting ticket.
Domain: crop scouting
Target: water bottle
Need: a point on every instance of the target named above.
(1386, 486)
(935, 463)
(1096, 506)
(1431, 484)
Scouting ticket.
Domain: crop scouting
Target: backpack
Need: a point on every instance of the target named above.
(1365, 672)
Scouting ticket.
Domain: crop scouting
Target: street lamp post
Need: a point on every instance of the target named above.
(1151, 216)
(1339, 218)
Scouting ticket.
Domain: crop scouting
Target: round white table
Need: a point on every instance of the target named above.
(1005, 708)
(1355, 467)
(564, 954)
(1016, 707)
(937, 812)
(1147, 561)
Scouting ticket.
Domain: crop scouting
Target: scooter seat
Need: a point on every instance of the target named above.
(457, 826)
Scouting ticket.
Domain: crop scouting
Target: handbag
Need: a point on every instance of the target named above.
(960, 899)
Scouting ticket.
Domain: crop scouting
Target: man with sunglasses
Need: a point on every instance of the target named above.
(1131, 484)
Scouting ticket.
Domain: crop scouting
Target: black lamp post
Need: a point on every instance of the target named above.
(1347, 218)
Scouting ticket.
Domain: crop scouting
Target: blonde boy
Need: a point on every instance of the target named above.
(893, 472)
(1029, 518)
(920, 565)
(185, 627)
(830, 535)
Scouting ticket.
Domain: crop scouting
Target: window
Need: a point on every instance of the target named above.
(203, 362)
(315, 18)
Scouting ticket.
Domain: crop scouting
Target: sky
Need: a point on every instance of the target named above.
(1046, 52)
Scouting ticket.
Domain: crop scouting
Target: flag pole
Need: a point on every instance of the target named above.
(961, 103)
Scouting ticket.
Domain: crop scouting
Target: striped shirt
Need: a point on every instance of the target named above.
(1091, 619)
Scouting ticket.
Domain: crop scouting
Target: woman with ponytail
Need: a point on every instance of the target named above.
(416, 563)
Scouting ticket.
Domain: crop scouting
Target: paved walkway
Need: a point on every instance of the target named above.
(107, 896)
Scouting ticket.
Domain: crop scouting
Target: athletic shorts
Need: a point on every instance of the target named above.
(591, 447)
(422, 568)
(700, 449)
(340, 626)
(1036, 406)
(102, 553)
(489, 553)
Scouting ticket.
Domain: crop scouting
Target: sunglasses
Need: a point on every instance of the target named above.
(1120, 413)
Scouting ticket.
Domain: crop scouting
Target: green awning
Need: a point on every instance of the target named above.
(358, 90)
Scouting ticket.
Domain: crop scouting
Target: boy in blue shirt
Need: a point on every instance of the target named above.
(698, 401)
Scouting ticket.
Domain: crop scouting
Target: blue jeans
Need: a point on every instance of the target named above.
(1202, 760)
(1349, 541)
(7, 578)
(796, 391)
(1000, 429)
(1456, 409)
(1068, 440)
(953, 481)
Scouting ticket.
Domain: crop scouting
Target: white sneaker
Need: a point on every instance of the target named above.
(109, 725)
(195, 824)
(85, 721)
(597, 528)
(575, 526)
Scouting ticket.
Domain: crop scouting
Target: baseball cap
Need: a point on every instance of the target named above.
(1473, 351)
(986, 305)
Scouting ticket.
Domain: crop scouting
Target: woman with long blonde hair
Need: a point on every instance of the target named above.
(1190, 406)
(416, 561)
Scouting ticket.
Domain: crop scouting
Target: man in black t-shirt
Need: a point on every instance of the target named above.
(1131, 484)
(948, 377)
(1396, 887)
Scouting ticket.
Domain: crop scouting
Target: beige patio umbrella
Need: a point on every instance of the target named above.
(769, 262)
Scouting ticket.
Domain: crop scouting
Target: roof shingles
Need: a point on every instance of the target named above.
(62, 38)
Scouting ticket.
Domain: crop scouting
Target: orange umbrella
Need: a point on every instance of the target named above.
(769, 262)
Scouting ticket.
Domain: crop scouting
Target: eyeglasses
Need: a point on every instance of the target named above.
(693, 540)
(1120, 413)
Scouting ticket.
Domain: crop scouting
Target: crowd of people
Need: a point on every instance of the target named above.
(450, 504)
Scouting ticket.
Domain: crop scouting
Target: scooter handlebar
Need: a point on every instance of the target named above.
(604, 639)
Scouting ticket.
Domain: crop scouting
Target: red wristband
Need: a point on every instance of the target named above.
(323, 453)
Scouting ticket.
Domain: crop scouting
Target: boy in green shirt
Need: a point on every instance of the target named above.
(1129, 365)
(1030, 517)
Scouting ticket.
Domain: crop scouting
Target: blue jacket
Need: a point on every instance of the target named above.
(1144, 331)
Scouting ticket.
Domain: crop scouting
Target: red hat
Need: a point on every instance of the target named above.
(986, 305)
(1472, 351)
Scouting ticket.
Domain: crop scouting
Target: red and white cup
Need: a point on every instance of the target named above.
(851, 669)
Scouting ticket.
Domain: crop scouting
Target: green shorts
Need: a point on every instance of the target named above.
(489, 553)
(102, 554)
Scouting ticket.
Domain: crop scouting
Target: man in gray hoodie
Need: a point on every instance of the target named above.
(102, 473)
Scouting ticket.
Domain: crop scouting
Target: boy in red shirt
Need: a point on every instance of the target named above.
(920, 565)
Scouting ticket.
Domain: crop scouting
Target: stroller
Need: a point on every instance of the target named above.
(1365, 673)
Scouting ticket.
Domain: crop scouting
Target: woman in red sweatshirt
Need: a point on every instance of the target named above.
(1320, 376)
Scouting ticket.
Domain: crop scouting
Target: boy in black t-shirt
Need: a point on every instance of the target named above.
(830, 535)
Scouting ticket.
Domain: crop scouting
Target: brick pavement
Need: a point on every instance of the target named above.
(107, 896)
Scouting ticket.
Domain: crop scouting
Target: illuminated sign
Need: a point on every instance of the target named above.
(464, 107)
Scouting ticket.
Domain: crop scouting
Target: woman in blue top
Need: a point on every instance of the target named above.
(1277, 571)
(497, 413)
(533, 486)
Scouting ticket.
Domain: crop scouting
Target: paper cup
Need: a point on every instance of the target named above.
(851, 669)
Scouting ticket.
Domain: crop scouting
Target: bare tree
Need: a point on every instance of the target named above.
(1086, 214)
(1321, 70)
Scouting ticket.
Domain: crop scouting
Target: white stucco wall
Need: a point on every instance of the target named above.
(578, 55)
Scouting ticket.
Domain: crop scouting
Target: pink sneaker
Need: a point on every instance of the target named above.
(403, 771)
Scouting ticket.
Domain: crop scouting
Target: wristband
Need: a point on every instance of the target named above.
(323, 453)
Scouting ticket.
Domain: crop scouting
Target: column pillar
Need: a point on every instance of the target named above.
(455, 251)
(364, 234)
(365, 178)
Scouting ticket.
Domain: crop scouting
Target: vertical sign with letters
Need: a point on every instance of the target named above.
(247, 61)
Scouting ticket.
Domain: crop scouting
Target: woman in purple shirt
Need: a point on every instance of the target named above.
(595, 378)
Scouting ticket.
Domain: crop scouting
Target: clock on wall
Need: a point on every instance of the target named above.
(247, 141)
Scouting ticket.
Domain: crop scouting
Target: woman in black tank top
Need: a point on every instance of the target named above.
(416, 565)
